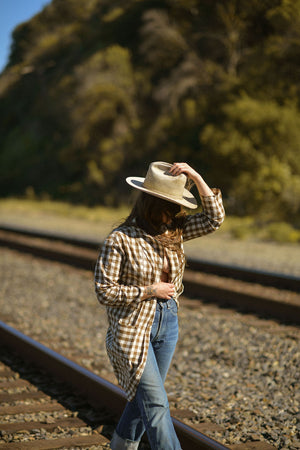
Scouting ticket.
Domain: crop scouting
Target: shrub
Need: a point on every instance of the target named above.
(282, 232)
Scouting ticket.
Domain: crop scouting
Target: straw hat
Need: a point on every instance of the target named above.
(161, 183)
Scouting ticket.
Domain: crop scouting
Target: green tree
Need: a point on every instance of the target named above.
(96, 90)
(257, 143)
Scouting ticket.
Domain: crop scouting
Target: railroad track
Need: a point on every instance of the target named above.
(97, 401)
(106, 398)
(272, 295)
(38, 412)
(276, 280)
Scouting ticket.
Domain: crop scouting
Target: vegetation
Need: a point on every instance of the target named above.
(100, 220)
(95, 90)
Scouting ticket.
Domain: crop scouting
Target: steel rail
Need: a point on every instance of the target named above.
(195, 287)
(281, 281)
(95, 389)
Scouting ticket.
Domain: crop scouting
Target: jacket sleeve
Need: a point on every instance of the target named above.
(109, 266)
(209, 220)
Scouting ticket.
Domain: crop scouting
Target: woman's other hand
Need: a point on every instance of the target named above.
(159, 290)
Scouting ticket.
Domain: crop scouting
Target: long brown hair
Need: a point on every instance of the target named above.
(148, 213)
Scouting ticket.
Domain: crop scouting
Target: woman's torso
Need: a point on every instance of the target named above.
(166, 269)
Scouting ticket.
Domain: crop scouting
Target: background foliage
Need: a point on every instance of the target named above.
(95, 90)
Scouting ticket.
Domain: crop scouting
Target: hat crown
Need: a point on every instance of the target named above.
(159, 179)
(161, 183)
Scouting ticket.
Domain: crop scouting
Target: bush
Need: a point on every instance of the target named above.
(282, 232)
(240, 227)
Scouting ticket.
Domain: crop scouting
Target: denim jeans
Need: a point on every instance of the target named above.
(149, 410)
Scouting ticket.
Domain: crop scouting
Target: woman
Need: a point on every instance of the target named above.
(138, 277)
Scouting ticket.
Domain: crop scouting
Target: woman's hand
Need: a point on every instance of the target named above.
(178, 168)
(203, 188)
(159, 290)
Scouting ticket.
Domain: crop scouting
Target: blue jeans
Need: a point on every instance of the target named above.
(149, 410)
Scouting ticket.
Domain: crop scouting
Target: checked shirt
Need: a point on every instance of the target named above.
(129, 261)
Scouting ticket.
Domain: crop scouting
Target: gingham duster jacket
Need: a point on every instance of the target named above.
(130, 260)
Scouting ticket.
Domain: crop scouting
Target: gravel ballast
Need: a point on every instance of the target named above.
(237, 371)
(282, 258)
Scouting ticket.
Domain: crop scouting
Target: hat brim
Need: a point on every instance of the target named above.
(187, 200)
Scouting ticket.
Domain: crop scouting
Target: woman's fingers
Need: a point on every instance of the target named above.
(178, 168)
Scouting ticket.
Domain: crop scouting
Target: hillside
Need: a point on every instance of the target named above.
(95, 90)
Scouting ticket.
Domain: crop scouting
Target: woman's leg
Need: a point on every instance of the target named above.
(164, 335)
(130, 428)
(150, 408)
(154, 407)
